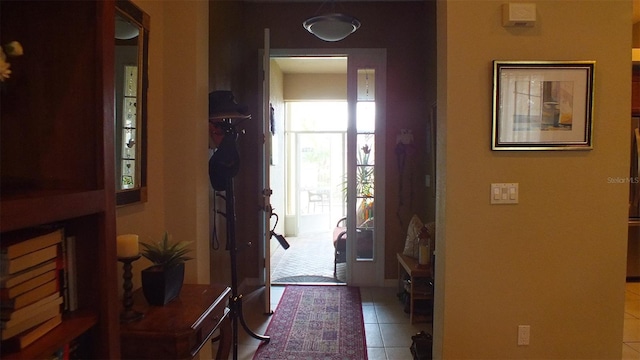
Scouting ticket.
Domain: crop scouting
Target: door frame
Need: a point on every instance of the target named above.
(357, 274)
(265, 178)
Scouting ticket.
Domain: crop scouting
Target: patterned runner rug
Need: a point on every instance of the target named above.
(316, 322)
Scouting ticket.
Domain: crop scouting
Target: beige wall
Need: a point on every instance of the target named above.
(556, 261)
(410, 90)
(177, 135)
(315, 86)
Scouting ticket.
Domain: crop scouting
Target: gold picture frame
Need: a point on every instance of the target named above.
(542, 105)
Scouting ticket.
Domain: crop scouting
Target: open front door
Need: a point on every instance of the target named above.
(265, 214)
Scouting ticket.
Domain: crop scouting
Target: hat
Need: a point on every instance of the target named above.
(223, 106)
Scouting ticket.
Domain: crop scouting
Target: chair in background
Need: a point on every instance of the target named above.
(317, 197)
(364, 237)
(339, 244)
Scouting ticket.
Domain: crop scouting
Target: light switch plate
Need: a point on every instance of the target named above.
(504, 193)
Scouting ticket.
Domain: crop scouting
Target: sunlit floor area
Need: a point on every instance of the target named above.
(631, 335)
(309, 259)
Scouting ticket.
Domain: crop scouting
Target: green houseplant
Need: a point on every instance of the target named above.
(162, 282)
(364, 186)
(364, 175)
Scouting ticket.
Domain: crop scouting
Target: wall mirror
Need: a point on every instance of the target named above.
(131, 82)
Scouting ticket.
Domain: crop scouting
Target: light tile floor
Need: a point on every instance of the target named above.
(387, 328)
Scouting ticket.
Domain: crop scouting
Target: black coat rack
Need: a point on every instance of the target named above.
(223, 166)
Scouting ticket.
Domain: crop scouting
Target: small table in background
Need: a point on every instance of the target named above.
(420, 287)
(181, 328)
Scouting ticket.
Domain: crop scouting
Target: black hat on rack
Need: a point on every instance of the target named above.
(225, 161)
(222, 105)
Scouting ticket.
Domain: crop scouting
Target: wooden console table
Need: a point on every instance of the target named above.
(420, 287)
(181, 328)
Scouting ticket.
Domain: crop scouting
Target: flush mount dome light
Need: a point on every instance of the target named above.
(331, 27)
(125, 30)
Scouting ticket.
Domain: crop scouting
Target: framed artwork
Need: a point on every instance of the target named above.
(542, 105)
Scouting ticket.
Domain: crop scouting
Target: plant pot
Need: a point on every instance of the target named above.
(160, 285)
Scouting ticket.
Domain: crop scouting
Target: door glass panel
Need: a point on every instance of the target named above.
(366, 117)
(366, 84)
(317, 116)
(291, 197)
(316, 138)
(365, 165)
(320, 160)
(130, 66)
(315, 184)
(128, 178)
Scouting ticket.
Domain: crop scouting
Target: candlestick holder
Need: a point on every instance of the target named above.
(128, 314)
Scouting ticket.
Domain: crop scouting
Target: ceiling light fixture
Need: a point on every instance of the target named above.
(125, 30)
(331, 27)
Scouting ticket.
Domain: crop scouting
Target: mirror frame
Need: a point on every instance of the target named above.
(138, 194)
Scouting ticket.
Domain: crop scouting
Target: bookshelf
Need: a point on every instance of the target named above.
(56, 153)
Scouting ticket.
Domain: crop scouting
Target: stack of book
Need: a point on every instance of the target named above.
(30, 286)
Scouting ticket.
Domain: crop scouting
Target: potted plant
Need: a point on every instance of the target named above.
(162, 281)
(364, 187)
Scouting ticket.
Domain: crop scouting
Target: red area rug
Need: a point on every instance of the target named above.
(316, 322)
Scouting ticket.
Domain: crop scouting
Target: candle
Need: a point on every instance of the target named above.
(423, 255)
(127, 245)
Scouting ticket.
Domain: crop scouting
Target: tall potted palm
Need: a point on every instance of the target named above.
(162, 282)
(364, 175)
(364, 185)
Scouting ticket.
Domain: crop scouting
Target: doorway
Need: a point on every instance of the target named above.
(313, 156)
(315, 173)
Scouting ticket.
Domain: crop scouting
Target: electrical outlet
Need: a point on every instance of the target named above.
(524, 334)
